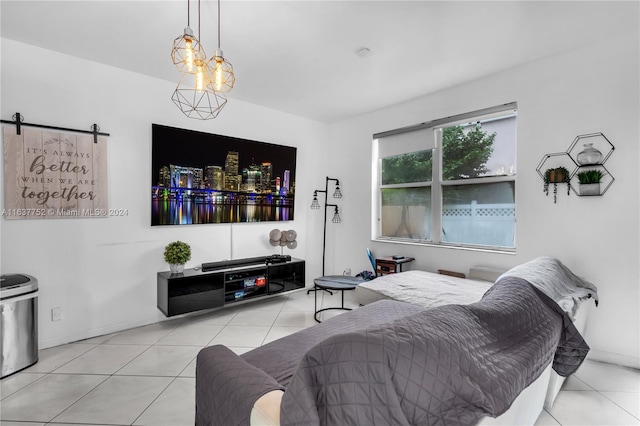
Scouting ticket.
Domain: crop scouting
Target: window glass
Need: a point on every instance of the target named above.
(407, 168)
(481, 214)
(479, 149)
(406, 213)
(449, 181)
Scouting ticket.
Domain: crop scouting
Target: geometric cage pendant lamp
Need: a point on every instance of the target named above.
(194, 98)
(187, 49)
(222, 77)
(195, 95)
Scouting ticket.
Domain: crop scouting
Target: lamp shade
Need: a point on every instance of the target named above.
(194, 98)
(222, 77)
(315, 205)
(336, 216)
(186, 51)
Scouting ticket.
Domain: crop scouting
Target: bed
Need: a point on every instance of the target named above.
(392, 362)
(429, 290)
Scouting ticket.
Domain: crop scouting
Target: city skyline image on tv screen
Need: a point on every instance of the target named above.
(200, 178)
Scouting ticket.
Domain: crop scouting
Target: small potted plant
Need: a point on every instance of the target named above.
(555, 176)
(176, 254)
(590, 181)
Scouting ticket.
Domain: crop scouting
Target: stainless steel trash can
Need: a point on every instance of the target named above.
(19, 326)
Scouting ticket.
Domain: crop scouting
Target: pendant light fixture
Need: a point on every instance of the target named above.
(186, 48)
(222, 78)
(194, 95)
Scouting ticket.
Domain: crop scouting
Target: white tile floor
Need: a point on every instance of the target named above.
(146, 375)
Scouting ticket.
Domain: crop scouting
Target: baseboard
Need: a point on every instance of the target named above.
(95, 332)
(613, 358)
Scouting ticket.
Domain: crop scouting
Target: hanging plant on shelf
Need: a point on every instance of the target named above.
(555, 176)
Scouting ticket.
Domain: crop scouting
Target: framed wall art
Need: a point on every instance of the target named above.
(200, 178)
(54, 174)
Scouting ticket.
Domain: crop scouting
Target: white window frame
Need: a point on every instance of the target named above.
(437, 183)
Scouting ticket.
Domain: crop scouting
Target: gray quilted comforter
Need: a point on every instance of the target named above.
(450, 365)
(227, 385)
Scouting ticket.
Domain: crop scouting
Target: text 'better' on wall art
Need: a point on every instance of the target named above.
(51, 174)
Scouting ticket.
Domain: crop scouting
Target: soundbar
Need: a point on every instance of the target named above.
(224, 264)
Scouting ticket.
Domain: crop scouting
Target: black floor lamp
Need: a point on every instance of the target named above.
(315, 205)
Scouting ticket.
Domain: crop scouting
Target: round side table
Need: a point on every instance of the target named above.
(334, 282)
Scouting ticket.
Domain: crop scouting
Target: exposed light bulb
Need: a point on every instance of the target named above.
(217, 75)
(222, 78)
(200, 78)
(186, 51)
(189, 54)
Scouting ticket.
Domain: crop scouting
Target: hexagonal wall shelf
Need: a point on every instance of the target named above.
(599, 142)
(570, 161)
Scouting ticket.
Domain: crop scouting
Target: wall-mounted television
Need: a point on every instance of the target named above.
(199, 178)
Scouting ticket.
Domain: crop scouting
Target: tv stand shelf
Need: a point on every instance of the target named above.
(237, 280)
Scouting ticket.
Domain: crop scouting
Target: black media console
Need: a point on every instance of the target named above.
(218, 284)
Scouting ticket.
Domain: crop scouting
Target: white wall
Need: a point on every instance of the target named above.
(594, 89)
(102, 272)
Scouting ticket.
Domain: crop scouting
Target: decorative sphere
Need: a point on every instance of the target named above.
(291, 235)
(275, 235)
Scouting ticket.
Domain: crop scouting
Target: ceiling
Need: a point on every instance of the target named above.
(299, 56)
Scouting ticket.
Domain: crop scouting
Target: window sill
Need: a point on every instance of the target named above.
(505, 251)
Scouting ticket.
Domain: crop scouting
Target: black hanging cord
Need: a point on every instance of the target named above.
(218, 24)
(18, 120)
(188, 13)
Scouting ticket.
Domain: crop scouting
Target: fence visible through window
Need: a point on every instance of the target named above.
(479, 224)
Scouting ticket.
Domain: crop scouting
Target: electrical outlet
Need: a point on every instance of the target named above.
(56, 314)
